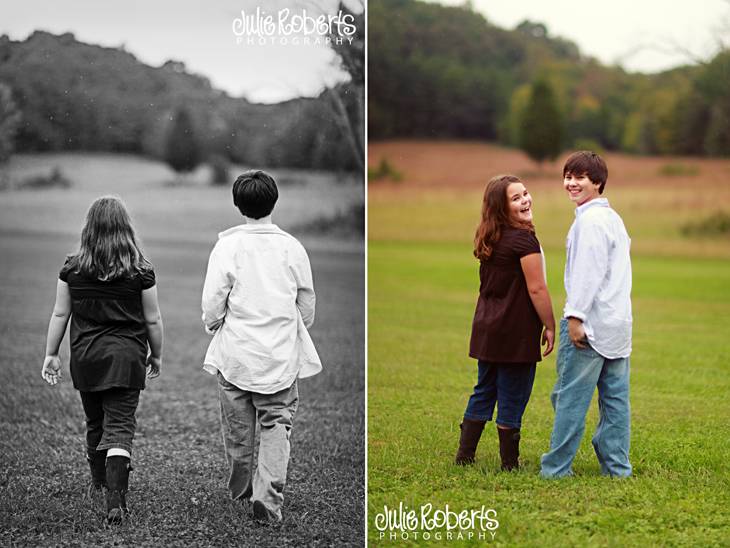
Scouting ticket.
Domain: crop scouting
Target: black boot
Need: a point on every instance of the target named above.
(97, 464)
(509, 448)
(471, 431)
(117, 481)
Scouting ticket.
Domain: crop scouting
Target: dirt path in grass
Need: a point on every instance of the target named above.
(178, 495)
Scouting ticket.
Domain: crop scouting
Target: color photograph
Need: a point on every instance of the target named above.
(182, 212)
(548, 273)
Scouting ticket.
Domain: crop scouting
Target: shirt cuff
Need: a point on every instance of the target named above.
(208, 330)
(574, 313)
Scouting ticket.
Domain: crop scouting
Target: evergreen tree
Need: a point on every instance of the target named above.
(541, 130)
(181, 148)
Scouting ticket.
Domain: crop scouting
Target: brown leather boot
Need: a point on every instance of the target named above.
(471, 431)
(509, 447)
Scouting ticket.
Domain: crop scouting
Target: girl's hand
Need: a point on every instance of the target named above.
(51, 371)
(548, 339)
(154, 364)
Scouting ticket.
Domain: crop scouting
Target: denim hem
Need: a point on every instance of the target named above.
(475, 418)
(114, 444)
(509, 424)
(616, 476)
(568, 474)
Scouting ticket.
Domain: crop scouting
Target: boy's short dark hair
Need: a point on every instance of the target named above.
(585, 162)
(255, 193)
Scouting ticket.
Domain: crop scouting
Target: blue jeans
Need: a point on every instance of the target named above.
(510, 384)
(110, 418)
(580, 371)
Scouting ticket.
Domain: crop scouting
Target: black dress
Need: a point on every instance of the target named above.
(506, 327)
(108, 330)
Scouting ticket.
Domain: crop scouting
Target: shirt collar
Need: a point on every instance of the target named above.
(266, 228)
(595, 202)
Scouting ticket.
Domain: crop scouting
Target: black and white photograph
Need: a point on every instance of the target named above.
(182, 224)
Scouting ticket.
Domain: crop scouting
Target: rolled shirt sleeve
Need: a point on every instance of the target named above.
(219, 280)
(306, 298)
(589, 266)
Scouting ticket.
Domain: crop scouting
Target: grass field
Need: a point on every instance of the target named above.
(422, 287)
(178, 488)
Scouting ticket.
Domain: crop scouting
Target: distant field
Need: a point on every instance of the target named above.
(164, 205)
(440, 196)
(178, 494)
(422, 290)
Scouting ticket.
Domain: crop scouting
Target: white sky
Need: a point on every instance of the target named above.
(196, 32)
(611, 29)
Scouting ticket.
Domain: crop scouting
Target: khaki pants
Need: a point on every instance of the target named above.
(240, 411)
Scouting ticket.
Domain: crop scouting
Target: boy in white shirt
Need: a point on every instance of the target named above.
(595, 332)
(258, 301)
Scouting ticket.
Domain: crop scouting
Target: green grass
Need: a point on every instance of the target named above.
(178, 492)
(421, 301)
(656, 216)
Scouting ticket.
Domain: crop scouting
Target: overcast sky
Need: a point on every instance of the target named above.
(643, 35)
(197, 32)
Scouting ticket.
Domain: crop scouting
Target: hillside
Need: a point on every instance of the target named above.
(78, 96)
(448, 72)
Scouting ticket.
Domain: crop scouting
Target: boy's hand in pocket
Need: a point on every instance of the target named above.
(215, 326)
(577, 333)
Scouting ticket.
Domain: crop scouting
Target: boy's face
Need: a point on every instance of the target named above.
(580, 188)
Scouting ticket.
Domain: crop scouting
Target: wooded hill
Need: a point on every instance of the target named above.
(444, 72)
(77, 96)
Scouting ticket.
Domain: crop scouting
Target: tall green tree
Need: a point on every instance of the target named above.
(713, 85)
(182, 152)
(541, 130)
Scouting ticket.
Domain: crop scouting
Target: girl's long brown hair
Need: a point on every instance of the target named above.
(109, 247)
(495, 216)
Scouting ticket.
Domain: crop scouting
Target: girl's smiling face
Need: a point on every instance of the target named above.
(519, 204)
(580, 188)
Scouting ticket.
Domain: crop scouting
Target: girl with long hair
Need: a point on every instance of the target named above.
(513, 310)
(108, 291)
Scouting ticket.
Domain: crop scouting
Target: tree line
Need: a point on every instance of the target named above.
(67, 95)
(437, 71)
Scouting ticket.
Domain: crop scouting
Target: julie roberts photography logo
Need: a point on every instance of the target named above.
(428, 523)
(289, 27)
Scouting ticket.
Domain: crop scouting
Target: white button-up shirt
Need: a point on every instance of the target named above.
(598, 278)
(259, 283)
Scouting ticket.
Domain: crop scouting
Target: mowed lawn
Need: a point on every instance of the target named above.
(178, 487)
(422, 288)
